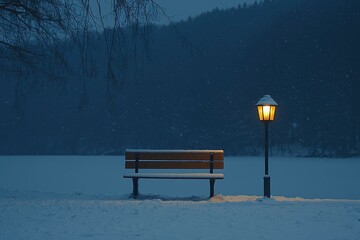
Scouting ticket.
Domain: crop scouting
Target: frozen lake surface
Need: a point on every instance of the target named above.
(290, 177)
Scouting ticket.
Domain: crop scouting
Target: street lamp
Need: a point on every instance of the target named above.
(266, 107)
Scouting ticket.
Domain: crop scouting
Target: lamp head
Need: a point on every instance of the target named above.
(266, 107)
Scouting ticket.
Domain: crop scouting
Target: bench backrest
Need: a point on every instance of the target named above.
(174, 159)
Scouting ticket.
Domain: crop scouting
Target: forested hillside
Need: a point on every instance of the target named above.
(194, 85)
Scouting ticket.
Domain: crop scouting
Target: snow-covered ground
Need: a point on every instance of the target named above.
(86, 197)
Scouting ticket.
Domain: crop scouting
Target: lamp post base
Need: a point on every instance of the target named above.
(267, 186)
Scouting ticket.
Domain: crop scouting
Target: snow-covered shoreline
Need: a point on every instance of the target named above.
(38, 215)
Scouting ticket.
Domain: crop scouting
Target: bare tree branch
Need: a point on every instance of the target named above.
(34, 33)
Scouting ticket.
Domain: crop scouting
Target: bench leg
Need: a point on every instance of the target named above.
(135, 187)
(212, 183)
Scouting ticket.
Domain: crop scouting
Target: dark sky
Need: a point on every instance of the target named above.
(182, 9)
(177, 9)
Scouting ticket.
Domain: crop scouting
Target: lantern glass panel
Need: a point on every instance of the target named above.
(260, 111)
(266, 112)
(272, 113)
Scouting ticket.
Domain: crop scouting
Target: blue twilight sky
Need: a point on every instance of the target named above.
(182, 9)
(177, 10)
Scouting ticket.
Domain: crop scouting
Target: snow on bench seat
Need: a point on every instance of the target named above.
(171, 151)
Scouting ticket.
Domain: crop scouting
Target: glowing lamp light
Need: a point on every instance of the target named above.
(266, 107)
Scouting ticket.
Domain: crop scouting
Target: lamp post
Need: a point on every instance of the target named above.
(266, 107)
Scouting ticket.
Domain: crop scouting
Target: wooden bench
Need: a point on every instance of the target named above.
(174, 159)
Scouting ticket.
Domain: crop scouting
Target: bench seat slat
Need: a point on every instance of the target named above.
(176, 175)
(174, 165)
(217, 155)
